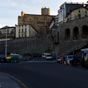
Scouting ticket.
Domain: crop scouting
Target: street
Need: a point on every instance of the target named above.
(47, 74)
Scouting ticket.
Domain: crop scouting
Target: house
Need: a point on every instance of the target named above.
(65, 9)
(8, 31)
(78, 13)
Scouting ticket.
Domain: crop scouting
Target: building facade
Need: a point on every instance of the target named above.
(45, 11)
(7, 30)
(65, 9)
(78, 13)
(38, 22)
(62, 39)
(25, 31)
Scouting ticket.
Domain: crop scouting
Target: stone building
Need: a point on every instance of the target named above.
(40, 23)
(71, 34)
(64, 38)
(65, 9)
(78, 13)
(45, 11)
(7, 30)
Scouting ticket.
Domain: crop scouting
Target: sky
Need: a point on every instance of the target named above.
(11, 9)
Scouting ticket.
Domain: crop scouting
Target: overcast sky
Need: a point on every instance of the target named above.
(10, 9)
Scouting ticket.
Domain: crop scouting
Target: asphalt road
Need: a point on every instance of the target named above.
(47, 75)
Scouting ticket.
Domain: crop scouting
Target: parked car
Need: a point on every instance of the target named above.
(58, 59)
(72, 60)
(15, 58)
(84, 58)
(2, 58)
(47, 56)
(68, 59)
(26, 57)
(8, 58)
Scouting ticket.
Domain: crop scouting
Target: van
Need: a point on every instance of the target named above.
(15, 57)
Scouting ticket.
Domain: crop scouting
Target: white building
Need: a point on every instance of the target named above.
(25, 31)
(65, 9)
(61, 13)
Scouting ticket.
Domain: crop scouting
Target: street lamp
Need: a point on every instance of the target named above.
(5, 43)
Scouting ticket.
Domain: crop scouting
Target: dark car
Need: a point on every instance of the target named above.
(72, 60)
(2, 58)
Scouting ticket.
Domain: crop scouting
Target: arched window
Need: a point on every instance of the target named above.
(79, 15)
(75, 33)
(84, 31)
(57, 38)
(67, 34)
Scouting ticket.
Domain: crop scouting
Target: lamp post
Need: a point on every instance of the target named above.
(6, 43)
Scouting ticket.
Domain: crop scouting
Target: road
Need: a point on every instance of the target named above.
(47, 75)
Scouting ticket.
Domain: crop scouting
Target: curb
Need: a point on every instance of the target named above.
(20, 83)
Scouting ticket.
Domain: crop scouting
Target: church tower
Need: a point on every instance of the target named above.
(45, 11)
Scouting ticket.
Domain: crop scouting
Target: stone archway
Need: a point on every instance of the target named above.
(84, 31)
(75, 33)
(67, 34)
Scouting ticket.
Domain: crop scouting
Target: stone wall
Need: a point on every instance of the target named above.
(40, 45)
(67, 46)
(26, 45)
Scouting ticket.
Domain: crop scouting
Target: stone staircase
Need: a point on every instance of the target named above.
(67, 47)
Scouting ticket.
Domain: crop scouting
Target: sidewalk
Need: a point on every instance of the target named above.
(6, 81)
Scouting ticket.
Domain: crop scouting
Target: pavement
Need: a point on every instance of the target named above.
(8, 81)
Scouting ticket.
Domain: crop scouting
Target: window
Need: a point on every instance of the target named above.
(75, 33)
(79, 15)
(84, 31)
(67, 34)
(79, 11)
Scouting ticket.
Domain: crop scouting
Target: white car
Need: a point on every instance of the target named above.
(47, 56)
(59, 60)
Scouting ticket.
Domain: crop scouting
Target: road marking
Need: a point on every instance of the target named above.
(20, 83)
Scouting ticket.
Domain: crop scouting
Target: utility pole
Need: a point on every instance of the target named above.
(6, 43)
